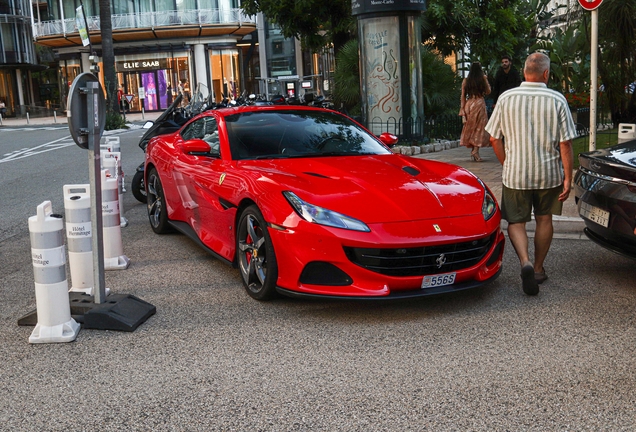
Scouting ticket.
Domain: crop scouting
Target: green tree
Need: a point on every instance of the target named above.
(488, 28)
(567, 48)
(346, 92)
(569, 52)
(442, 86)
(617, 55)
(316, 23)
(108, 56)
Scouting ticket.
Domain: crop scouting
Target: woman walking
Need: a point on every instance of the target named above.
(473, 111)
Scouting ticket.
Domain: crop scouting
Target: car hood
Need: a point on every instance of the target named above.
(376, 188)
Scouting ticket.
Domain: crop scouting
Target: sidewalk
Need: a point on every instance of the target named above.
(137, 118)
(569, 224)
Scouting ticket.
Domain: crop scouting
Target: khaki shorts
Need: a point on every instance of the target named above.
(517, 204)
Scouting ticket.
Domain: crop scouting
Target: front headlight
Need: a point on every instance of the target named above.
(323, 216)
(489, 206)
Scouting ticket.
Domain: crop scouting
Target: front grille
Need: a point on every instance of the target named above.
(424, 260)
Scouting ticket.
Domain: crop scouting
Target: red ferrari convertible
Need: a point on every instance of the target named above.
(306, 202)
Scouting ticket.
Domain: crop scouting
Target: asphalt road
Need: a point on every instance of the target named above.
(214, 359)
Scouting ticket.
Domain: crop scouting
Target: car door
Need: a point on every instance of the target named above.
(201, 176)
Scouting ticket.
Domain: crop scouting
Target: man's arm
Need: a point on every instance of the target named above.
(567, 157)
(498, 147)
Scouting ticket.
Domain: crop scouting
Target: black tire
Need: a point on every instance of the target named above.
(255, 255)
(138, 187)
(156, 203)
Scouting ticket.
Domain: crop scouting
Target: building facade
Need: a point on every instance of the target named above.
(164, 46)
(17, 55)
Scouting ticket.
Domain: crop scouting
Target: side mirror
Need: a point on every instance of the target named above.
(388, 139)
(195, 146)
(148, 124)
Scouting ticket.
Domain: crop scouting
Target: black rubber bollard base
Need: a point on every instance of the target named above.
(120, 312)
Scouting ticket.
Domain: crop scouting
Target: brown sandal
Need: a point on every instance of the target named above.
(541, 276)
(474, 155)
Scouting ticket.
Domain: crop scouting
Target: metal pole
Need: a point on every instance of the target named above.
(95, 176)
(593, 78)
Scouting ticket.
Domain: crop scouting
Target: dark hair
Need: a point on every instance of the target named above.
(475, 83)
(507, 57)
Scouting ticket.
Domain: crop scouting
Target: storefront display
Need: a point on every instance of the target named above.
(154, 82)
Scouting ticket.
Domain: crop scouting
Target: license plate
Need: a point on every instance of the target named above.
(594, 214)
(438, 280)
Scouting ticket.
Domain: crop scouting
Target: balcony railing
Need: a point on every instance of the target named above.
(149, 20)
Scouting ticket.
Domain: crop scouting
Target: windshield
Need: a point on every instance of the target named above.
(290, 133)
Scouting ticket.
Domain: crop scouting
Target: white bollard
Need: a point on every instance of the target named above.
(55, 323)
(112, 162)
(77, 207)
(114, 258)
(113, 145)
(626, 132)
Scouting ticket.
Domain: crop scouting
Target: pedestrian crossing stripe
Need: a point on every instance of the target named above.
(24, 129)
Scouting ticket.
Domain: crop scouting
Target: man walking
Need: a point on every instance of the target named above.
(506, 78)
(537, 162)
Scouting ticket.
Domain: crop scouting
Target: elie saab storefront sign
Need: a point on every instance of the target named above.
(141, 65)
(371, 6)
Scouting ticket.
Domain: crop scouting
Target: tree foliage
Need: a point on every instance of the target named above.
(488, 28)
(568, 50)
(346, 90)
(315, 22)
(442, 86)
(617, 56)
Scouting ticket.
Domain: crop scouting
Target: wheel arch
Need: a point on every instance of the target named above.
(245, 203)
(147, 169)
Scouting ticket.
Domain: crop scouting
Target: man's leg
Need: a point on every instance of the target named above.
(516, 205)
(542, 240)
(519, 239)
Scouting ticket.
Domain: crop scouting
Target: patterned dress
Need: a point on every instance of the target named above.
(475, 116)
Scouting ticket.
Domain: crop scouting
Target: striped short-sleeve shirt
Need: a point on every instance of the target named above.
(533, 120)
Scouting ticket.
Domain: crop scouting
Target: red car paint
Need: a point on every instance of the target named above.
(406, 202)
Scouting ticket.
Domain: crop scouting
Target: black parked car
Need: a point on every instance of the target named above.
(605, 193)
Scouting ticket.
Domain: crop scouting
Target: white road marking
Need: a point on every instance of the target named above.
(22, 129)
(42, 148)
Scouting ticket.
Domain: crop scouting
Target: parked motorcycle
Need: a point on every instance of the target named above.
(169, 121)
